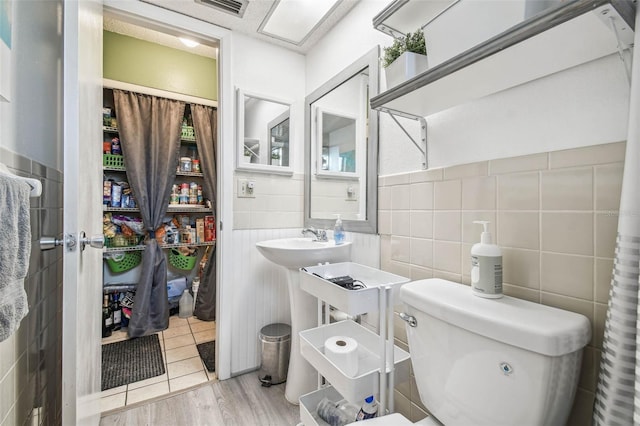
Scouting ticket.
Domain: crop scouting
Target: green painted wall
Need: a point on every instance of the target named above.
(140, 62)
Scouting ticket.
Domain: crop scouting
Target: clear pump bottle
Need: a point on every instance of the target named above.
(338, 231)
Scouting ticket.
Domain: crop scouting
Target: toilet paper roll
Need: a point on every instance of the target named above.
(343, 352)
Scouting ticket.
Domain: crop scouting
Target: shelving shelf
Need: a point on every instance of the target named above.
(109, 129)
(404, 16)
(561, 37)
(120, 209)
(163, 246)
(178, 208)
(186, 208)
(190, 174)
(380, 362)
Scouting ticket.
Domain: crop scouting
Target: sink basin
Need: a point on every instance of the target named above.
(296, 253)
(293, 254)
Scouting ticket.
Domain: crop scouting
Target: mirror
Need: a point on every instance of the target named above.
(341, 149)
(263, 133)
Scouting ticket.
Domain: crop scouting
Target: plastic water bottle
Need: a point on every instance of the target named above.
(195, 285)
(185, 304)
(368, 410)
(332, 414)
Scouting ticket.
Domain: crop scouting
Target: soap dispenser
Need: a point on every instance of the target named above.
(486, 266)
(338, 231)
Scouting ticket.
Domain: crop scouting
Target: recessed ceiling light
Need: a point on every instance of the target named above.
(294, 20)
(188, 42)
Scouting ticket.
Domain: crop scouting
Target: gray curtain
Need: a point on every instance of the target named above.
(150, 130)
(205, 123)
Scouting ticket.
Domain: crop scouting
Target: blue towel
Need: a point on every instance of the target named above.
(15, 235)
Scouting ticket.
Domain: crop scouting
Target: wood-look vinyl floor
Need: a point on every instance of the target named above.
(237, 401)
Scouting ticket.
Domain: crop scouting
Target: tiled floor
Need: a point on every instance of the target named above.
(183, 365)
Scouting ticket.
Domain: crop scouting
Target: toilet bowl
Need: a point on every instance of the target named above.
(490, 361)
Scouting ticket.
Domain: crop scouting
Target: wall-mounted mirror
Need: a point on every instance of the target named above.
(262, 130)
(341, 149)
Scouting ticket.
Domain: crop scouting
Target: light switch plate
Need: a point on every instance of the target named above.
(246, 188)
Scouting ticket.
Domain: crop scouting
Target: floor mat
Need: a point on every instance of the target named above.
(130, 361)
(207, 351)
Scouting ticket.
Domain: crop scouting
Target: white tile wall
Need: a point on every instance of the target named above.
(278, 202)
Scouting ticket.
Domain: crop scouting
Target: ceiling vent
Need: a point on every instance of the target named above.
(234, 7)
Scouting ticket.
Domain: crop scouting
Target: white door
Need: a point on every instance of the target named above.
(81, 353)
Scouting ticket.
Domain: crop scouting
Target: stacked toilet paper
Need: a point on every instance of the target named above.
(343, 352)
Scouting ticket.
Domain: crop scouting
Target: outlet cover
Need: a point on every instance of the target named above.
(245, 188)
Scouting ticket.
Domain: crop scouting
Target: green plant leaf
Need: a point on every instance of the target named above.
(413, 42)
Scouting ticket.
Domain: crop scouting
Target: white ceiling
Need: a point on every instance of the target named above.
(254, 14)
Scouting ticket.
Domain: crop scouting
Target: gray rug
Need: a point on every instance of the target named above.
(207, 351)
(130, 361)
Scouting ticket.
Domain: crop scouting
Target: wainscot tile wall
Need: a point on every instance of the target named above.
(31, 358)
(278, 202)
(554, 215)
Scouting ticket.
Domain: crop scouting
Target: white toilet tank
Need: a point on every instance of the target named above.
(492, 362)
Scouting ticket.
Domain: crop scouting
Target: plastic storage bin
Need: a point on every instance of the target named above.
(122, 262)
(113, 161)
(309, 405)
(353, 302)
(276, 347)
(365, 382)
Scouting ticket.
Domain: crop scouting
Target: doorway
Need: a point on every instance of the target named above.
(149, 16)
(150, 62)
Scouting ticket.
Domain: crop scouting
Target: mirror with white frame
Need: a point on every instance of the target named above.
(263, 142)
(341, 148)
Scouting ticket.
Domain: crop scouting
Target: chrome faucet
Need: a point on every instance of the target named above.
(319, 234)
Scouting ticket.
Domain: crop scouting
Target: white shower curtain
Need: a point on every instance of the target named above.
(618, 392)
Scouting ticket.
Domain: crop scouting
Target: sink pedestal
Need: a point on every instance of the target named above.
(302, 378)
(293, 254)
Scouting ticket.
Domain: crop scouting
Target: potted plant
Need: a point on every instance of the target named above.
(247, 155)
(275, 158)
(405, 58)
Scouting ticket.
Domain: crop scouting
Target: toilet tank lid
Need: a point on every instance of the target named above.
(532, 326)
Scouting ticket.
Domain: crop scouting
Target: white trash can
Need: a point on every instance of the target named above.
(276, 347)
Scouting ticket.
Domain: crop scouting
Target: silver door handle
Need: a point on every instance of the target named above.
(95, 241)
(48, 243)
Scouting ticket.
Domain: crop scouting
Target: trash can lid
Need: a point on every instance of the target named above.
(275, 332)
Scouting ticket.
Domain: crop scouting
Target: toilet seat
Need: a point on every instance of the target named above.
(397, 419)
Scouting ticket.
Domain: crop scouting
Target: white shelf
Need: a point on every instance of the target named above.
(576, 32)
(309, 405)
(366, 381)
(353, 302)
(192, 174)
(404, 16)
(191, 208)
(106, 208)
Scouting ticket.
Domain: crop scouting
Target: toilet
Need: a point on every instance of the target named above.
(491, 362)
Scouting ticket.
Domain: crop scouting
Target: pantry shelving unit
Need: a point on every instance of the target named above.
(568, 34)
(380, 362)
(114, 169)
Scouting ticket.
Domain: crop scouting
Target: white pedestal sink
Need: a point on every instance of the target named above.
(293, 254)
